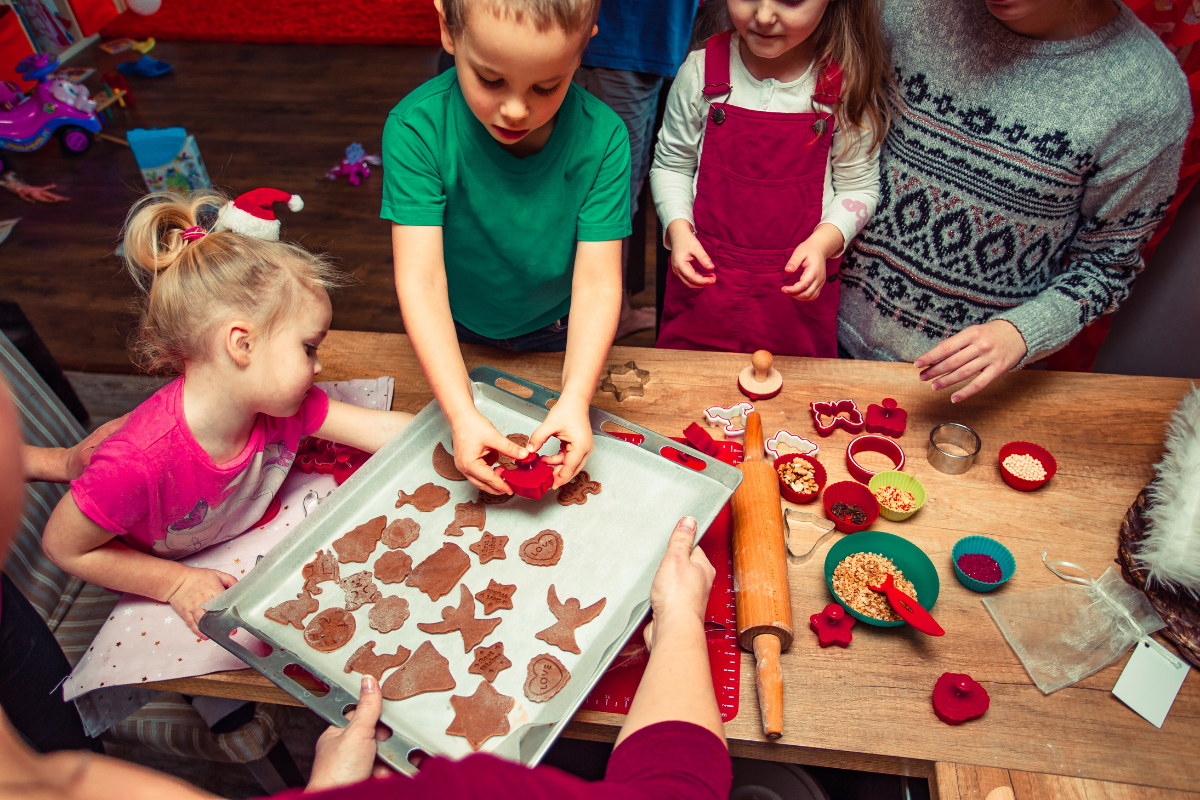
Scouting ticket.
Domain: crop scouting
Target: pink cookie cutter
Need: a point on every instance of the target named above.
(729, 418)
(874, 443)
(853, 423)
(803, 446)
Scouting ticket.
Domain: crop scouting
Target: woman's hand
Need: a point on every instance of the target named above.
(686, 253)
(679, 594)
(569, 423)
(474, 438)
(986, 351)
(345, 756)
(810, 257)
(194, 588)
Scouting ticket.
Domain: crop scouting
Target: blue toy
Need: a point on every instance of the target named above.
(145, 67)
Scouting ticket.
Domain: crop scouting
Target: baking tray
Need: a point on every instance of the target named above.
(612, 547)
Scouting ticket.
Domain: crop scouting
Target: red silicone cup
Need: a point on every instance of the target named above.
(1027, 449)
(872, 442)
(850, 492)
(790, 494)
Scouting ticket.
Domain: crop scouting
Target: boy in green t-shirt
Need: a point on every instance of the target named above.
(508, 189)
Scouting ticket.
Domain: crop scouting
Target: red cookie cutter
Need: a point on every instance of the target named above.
(328, 458)
(853, 423)
(805, 446)
(832, 626)
(958, 698)
(531, 478)
(876, 444)
(888, 419)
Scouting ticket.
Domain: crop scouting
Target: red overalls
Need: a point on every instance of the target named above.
(758, 195)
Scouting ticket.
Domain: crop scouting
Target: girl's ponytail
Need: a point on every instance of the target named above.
(154, 229)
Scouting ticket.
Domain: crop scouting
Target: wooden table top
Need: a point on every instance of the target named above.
(868, 706)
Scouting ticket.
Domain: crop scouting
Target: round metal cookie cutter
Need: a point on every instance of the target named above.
(958, 436)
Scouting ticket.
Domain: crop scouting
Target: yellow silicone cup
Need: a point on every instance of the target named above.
(904, 482)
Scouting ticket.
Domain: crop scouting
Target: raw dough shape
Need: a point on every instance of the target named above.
(487, 498)
(635, 389)
(467, 515)
(576, 490)
(438, 574)
(393, 566)
(427, 497)
(543, 550)
(365, 661)
(443, 464)
(401, 533)
(461, 618)
(293, 612)
(570, 616)
(426, 670)
(520, 440)
(489, 547)
(330, 629)
(360, 589)
(388, 614)
(358, 544)
(496, 596)
(546, 677)
(489, 662)
(480, 716)
(322, 568)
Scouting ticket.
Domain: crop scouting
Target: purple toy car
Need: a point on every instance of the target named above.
(55, 106)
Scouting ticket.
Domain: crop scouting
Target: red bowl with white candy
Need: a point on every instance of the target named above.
(1021, 470)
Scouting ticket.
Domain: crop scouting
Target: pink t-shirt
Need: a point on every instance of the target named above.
(153, 485)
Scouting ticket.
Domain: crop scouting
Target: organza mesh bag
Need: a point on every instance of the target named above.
(1062, 634)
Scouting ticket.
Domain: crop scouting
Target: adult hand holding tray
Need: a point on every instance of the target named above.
(612, 545)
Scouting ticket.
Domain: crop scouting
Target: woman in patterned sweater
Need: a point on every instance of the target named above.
(1034, 149)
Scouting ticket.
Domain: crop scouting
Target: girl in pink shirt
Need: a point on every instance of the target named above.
(239, 317)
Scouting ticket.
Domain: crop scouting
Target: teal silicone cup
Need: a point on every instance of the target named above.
(982, 545)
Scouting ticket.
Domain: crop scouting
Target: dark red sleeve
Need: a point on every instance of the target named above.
(671, 760)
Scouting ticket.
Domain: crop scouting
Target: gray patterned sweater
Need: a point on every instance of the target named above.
(1020, 180)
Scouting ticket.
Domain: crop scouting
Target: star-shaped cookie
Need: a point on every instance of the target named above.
(481, 716)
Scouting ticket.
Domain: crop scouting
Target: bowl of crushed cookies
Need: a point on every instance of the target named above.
(856, 563)
(1026, 466)
(851, 506)
(801, 477)
(899, 494)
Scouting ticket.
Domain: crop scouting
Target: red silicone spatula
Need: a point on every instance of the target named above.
(908, 609)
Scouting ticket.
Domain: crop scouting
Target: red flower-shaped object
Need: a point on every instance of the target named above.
(328, 458)
(832, 626)
(853, 422)
(958, 698)
(888, 419)
(531, 478)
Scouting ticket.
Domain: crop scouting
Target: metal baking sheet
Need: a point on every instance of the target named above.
(612, 547)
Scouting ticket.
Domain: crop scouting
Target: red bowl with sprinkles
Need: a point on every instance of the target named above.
(850, 493)
(790, 494)
(1041, 454)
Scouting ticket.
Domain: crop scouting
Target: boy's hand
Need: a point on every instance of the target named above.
(809, 257)
(346, 756)
(988, 351)
(679, 594)
(687, 253)
(475, 437)
(195, 588)
(569, 423)
(79, 456)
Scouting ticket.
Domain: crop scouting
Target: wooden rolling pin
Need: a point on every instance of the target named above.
(760, 580)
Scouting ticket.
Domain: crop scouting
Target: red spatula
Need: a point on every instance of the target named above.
(908, 609)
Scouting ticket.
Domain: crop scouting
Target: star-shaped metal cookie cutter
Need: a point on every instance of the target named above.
(632, 390)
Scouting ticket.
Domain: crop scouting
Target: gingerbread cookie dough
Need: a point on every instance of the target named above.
(520, 440)
(401, 533)
(438, 574)
(496, 596)
(358, 544)
(546, 677)
(493, 499)
(393, 566)
(461, 618)
(426, 498)
(365, 661)
(489, 662)
(330, 629)
(443, 464)
(322, 568)
(360, 589)
(426, 671)
(543, 550)
(570, 616)
(388, 614)
(293, 612)
(575, 491)
(467, 515)
(489, 547)
(481, 716)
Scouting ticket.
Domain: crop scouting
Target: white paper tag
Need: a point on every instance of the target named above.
(1150, 680)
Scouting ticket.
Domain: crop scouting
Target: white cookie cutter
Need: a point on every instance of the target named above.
(730, 418)
(805, 446)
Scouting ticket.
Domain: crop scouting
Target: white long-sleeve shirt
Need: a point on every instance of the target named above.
(851, 176)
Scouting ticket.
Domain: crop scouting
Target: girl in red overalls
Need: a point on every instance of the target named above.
(767, 166)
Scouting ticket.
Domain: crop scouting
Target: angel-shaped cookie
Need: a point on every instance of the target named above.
(570, 616)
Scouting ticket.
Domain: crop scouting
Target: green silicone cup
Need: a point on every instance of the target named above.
(904, 482)
(983, 546)
(909, 558)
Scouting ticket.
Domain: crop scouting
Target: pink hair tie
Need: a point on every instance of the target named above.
(193, 233)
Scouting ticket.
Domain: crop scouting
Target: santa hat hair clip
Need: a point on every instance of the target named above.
(252, 213)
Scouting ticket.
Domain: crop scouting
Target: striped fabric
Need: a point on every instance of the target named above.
(170, 725)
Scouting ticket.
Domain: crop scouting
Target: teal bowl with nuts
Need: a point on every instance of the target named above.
(907, 557)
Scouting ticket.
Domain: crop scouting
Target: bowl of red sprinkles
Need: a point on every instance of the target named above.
(981, 564)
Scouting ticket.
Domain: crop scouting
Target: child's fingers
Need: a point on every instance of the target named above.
(225, 578)
(648, 635)
(192, 622)
(795, 262)
(700, 255)
(689, 276)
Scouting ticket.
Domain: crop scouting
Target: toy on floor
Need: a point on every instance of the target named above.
(760, 380)
(887, 419)
(30, 194)
(355, 166)
(145, 67)
(832, 626)
(169, 159)
(53, 107)
(957, 698)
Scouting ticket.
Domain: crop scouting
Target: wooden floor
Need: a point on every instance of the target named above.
(262, 115)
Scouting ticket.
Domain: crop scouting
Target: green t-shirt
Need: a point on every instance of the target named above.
(509, 225)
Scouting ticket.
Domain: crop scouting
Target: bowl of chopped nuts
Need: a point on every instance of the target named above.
(1026, 466)
(801, 477)
(900, 495)
(856, 563)
(851, 506)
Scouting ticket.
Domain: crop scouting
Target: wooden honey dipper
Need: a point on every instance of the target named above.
(762, 594)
